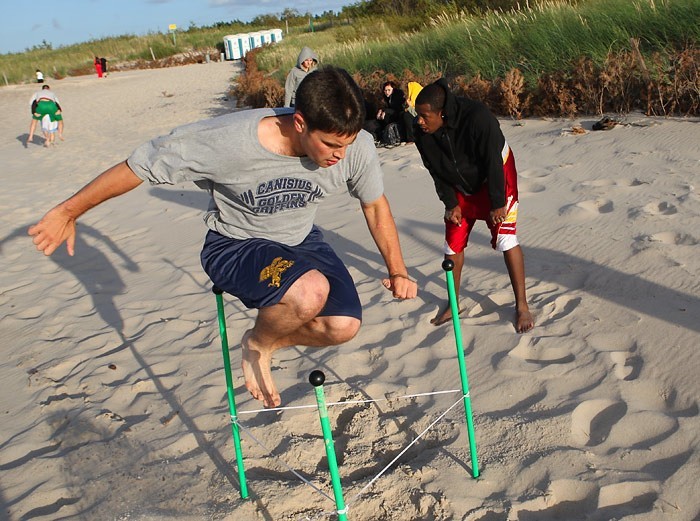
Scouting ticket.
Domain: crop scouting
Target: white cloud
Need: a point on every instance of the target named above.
(223, 3)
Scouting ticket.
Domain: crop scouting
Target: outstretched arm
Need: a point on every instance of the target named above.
(58, 225)
(383, 229)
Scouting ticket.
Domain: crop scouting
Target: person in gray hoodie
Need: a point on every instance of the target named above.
(306, 62)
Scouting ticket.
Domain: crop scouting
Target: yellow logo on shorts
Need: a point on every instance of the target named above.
(275, 270)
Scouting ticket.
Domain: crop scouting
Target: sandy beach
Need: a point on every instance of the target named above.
(115, 400)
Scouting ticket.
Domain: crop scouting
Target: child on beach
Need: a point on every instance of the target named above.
(49, 128)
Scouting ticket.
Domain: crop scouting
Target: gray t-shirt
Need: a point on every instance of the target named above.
(255, 193)
(43, 94)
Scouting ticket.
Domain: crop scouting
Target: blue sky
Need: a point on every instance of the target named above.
(26, 23)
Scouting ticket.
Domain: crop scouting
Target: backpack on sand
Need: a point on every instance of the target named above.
(391, 136)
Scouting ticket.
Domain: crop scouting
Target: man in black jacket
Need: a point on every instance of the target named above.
(463, 148)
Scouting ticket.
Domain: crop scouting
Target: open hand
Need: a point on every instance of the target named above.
(52, 230)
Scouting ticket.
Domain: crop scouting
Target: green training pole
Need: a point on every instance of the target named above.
(229, 392)
(448, 266)
(316, 378)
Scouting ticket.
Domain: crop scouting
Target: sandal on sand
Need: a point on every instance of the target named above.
(605, 124)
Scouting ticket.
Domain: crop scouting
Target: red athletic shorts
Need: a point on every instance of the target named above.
(476, 207)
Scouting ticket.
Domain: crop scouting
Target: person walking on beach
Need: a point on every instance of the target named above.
(306, 62)
(98, 67)
(49, 128)
(39, 76)
(44, 102)
(473, 168)
(267, 170)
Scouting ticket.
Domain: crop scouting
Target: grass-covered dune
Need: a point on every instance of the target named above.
(557, 57)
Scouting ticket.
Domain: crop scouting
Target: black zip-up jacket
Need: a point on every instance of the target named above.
(394, 106)
(465, 152)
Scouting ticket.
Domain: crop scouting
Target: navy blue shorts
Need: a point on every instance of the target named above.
(259, 272)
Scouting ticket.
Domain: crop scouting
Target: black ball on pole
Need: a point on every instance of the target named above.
(448, 265)
(317, 378)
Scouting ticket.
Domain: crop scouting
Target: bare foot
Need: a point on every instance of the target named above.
(444, 316)
(256, 370)
(524, 321)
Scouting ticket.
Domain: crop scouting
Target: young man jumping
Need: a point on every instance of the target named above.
(267, 170)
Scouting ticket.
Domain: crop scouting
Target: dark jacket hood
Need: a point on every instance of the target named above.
(451, 108)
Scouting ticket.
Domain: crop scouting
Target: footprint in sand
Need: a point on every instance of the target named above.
(655, 208)
(565, 499)
(676, 239)
(641, 430)
(662, 208)
(536, 351)
(626, 367)
(533, 173)
(645, 242)
(554, 311)
(638, 494)
(535, 354)
(599, 183)
(587, 209)
(527, 186)
(605, 183)
(620, 347)
(592, 421)
(540, 352)
(575, 499)
(486, 310)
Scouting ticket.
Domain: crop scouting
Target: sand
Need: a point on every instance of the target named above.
(114, 402)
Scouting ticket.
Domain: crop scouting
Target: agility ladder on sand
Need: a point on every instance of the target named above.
(317, 379)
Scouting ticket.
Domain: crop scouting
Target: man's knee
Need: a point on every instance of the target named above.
(342, 329)
(309, 294)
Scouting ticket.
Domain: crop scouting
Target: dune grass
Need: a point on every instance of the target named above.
(553, 45)
(548, 37)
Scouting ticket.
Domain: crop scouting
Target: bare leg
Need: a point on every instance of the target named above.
(293, 321)
(445, 313)
(32, 129)
(516, 271)
(60, 129)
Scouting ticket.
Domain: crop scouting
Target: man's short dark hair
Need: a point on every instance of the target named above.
(330, 101)
(433, 95)
(45, 86)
